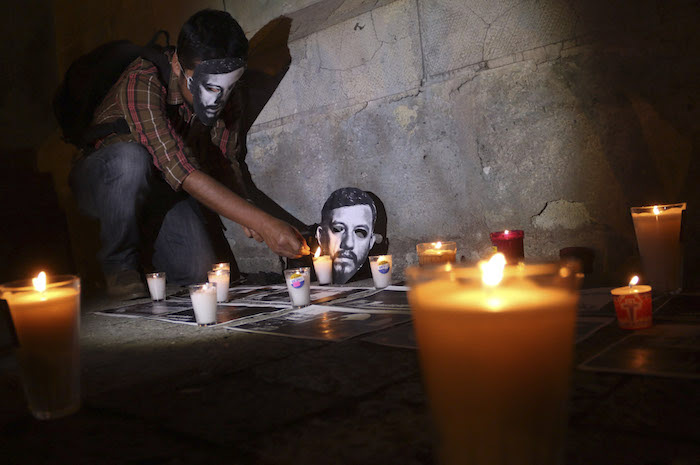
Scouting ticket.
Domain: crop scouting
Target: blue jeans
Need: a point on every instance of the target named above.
(117, 184)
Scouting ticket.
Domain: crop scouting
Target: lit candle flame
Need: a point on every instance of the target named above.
(40, 282)
(506, 232)
(492, 271)
(634, 281)
(318, 253)
(656, 210)
(438, 245)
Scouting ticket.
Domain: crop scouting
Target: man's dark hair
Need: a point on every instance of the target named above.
(208, 35)
(347, 197)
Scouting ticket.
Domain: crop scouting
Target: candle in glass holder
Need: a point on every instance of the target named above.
(633, 305)
(156, 285)
(658, 231)
(298, 285)
(381, 268)
(46, 316)
(221, 278)
(510, 244)
(204, 303)
(436, 253)
(496, 355)
(323, 266)
(221, 266)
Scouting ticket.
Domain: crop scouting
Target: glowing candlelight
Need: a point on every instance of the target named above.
(46, 316)
(436, 253)
(323, 266)
(495, 357)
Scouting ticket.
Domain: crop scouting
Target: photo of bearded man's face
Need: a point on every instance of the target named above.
(346, 234)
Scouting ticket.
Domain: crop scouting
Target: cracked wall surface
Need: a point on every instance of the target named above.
(469, 116)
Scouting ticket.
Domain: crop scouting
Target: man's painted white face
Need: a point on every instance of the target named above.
(349, 236)
(211, 92)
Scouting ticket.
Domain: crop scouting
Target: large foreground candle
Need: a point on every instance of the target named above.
(510, 244)
(436, 253)
(496, 360)
(658, 231)
(46, 315)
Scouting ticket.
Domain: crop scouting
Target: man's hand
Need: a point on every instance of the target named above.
(250, 233)
(283, 239)
(280, 237)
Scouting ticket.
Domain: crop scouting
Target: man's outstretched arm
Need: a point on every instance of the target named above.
(279, 236)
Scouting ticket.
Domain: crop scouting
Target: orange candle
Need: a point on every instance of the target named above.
(436, 253)
(496, 362)
(47, 323)
(633, 305)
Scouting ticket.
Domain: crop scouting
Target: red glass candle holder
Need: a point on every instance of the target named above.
(510, 244)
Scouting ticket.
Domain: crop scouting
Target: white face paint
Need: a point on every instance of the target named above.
(211, 92)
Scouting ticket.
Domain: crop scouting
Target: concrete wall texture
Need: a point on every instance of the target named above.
(462, 116)
(470, 116)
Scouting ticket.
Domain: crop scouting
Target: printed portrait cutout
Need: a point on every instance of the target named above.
(346, 232)
(211, 85)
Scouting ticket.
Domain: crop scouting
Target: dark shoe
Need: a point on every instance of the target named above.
(125, 285)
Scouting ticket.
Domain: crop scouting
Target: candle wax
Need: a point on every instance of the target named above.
(496, 366)
(47, 325)
(323, 266)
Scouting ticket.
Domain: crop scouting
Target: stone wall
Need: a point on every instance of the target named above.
(469, 116)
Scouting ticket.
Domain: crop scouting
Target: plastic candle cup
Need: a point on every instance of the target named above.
(323, 266)
(156, 285)
(436, 253)
(658, 231)
(633, 305)
(46, 316)
(510, 244)
(298, 285)
(222, 279)
(381, 268)
(204, 303)
(495, 355)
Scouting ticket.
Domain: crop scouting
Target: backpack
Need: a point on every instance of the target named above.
(89, 79)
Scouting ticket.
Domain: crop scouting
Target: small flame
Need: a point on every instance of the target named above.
(656, 210)
(492, 271)
(506, 232)
(318, 253)
(40, 282)
(438, 245)
(634, 280)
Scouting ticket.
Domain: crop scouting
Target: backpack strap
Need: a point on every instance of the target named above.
(152, 52)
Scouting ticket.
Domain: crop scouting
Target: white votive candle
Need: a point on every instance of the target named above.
(221, 266)
(323, 265)
(204, 303)
(381, 267)
(298, 285)
(156, 285)
(221, 278)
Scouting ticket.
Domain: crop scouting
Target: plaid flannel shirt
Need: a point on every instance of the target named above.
(140, 97)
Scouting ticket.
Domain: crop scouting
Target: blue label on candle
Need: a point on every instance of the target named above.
(383, 267)
(297, 280)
